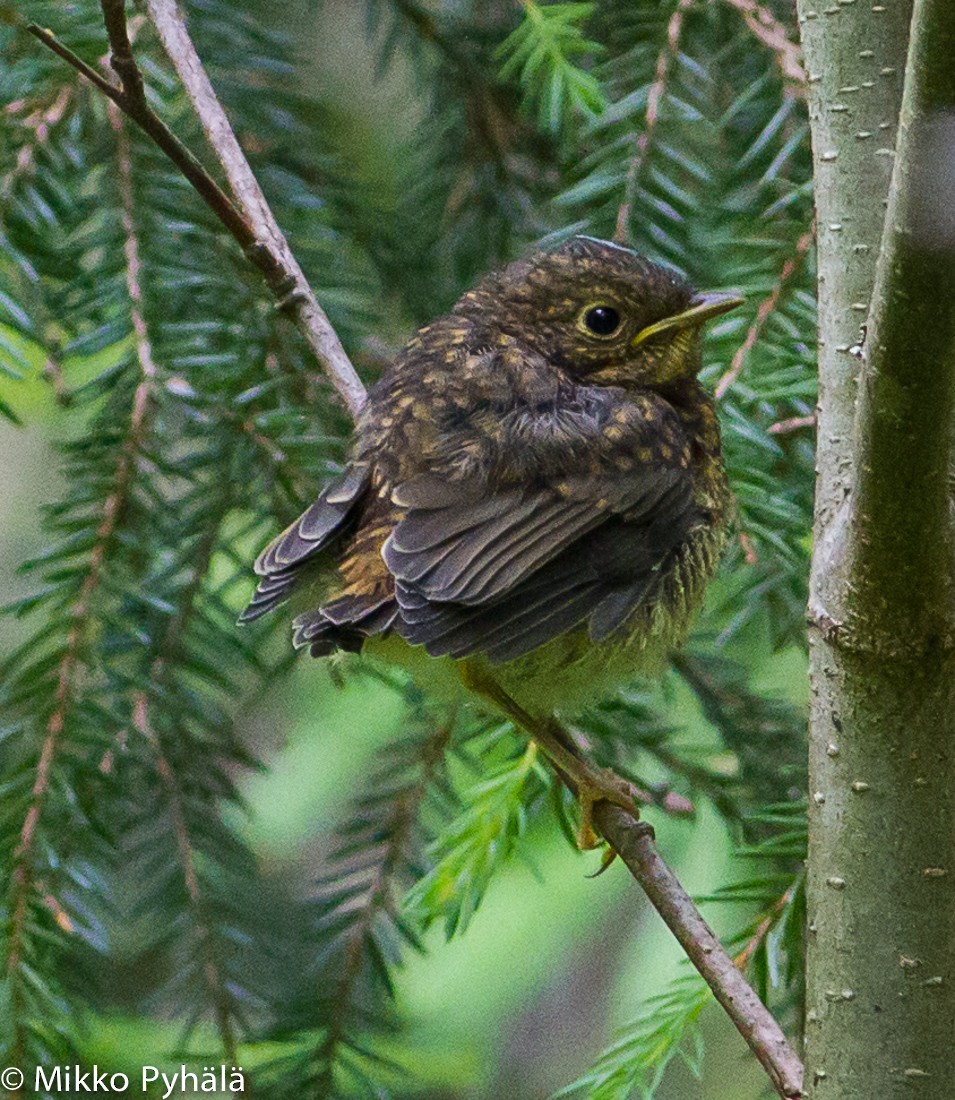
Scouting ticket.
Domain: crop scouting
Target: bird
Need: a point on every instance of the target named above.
(534, 501)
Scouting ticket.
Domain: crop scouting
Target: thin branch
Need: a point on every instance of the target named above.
(633, 842)
(654, 98)
(69, 666)
(767, 28)
(790, 267)
(144, 354)
(258, 235)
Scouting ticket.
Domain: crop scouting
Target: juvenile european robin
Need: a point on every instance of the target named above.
(535, 499)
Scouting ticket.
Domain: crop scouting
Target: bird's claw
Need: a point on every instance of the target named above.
(600, 785)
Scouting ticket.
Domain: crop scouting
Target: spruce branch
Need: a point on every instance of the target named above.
(250, 222)
(213, 977)
(768, 30)
(41, 121)
(654, 99)
(791, 266)
(380, 895)
(70, 662)
(131, 249)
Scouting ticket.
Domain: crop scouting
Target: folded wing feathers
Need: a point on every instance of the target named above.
(279, 563)
(498, 575)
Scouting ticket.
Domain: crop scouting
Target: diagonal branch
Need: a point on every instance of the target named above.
(633, 840)
(255, 230)
(299, 298)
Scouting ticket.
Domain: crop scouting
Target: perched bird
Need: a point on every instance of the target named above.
(535, 499)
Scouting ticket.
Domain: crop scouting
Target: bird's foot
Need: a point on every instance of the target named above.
(597, 785)
(589, 783)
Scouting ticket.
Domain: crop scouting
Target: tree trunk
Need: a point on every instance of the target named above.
(881, 982)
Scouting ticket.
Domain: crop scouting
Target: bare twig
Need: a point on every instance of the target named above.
(249, 222)
(299, 297)
(791, 266)
(654, 97)
(633, 842)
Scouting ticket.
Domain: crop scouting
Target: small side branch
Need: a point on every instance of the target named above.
(248, 220)
(791, 266)
(633, 842)
(767, 28)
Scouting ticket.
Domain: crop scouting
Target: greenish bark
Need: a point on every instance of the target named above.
(881, 986)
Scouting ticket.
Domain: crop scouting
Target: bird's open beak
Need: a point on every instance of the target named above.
(704, 307)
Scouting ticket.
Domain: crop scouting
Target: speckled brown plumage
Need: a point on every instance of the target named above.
(524, 488)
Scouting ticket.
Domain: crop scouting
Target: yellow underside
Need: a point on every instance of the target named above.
(571, 672)
(564, 676)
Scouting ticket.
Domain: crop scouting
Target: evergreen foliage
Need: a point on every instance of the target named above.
(193, 425)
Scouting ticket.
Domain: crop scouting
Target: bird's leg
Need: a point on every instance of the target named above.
(589, 783)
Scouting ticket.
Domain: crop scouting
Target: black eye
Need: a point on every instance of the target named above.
(602, 320)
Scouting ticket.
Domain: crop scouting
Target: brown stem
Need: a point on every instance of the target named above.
(792, 424)
(634, 843)
(69, 667)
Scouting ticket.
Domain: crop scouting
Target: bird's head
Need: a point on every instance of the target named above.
(601, 312)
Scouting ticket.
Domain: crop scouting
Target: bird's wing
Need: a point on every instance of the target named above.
(500, 571)
(281, 562)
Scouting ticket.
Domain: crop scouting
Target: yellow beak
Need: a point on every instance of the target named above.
(704, 307)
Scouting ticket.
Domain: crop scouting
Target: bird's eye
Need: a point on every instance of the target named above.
(601, 320)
